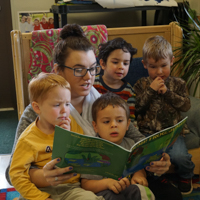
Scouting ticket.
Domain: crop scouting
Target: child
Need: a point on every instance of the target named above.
(50, 98)
(51, 23)
(29, 25)
(111, 121)
(115, 57)
(37, 25)
(159, 100)
(44, 23)
(23, 24)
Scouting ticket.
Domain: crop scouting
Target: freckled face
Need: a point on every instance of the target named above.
(55, 106)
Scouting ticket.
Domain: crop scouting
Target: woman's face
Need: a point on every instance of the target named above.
(80, 86)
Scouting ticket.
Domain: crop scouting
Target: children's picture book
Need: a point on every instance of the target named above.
(93, 155)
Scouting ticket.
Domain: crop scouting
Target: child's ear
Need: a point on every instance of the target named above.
(144, 64)
(35, 107)
(94, 126)
(102, 63)
(128, 123)
(172, 61)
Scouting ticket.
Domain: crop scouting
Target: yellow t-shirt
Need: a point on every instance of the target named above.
(34, 148)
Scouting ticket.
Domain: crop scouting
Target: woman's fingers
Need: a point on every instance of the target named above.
(50, 165)
(60, 179)
(160, 167)
(54, 175)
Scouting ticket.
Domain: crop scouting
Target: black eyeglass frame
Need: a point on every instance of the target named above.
(87, 69)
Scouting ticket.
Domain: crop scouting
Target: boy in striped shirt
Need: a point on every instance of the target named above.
(115, 57)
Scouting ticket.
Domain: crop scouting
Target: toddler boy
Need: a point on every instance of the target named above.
(115, 57)
(111, 121)
(159, 100)
(50, 97)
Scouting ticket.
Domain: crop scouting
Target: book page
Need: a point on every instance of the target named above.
(89, 155)
(151, 148)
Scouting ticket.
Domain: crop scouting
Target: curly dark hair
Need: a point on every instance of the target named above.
(105, 49)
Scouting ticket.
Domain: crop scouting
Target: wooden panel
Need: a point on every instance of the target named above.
(196, 159)
(18, 73)
(176, 42)
(138, 35)
(25, 66)
(134, 35)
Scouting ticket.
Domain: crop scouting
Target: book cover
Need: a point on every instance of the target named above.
(93, 155)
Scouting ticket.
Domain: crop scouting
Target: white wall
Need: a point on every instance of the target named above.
(195, 4)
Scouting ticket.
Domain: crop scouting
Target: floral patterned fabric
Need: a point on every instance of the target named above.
(43, 42)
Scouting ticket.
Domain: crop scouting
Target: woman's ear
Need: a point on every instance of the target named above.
(102, 63)
(36, 107)
(56, 68)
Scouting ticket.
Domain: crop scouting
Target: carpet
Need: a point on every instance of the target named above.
(12, 194)
(8, 125)
(9, 194)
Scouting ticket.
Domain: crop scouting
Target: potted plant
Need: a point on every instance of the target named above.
(188, 54)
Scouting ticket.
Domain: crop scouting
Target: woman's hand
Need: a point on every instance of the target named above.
(50, 175)
(160, 167)
(54, 175)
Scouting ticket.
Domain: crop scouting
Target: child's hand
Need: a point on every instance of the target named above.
(139, 177)
(162, 89)
(157, 83)
(65, 124)
(117, 186)
(124, 182)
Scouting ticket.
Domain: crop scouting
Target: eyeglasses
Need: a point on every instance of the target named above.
(80, 72)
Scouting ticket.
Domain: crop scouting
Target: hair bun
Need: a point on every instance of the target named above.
(71, 30)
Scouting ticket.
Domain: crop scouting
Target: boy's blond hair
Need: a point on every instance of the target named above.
(43, 83)
(157, 47)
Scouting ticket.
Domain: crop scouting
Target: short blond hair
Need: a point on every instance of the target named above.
(43, 83)
(157, 47)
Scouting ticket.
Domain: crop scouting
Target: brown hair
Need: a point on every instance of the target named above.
(72, 38)
(157, 47)
(44, 82)
(106, 99)
(105, 49)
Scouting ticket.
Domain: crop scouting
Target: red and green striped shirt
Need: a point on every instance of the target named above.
(126, 92)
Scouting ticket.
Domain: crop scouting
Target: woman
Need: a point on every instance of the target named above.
(75, 60)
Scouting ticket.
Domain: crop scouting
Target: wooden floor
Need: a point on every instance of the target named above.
(4, 160)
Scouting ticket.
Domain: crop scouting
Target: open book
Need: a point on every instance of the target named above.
(92, 155)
